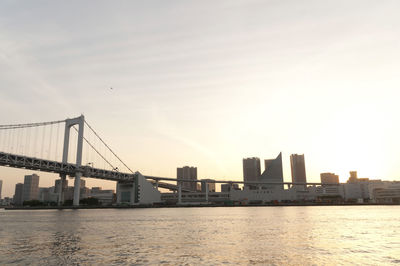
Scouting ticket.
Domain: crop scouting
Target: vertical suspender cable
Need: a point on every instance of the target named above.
(86, 148)
(12, 141)
(50, 140)
(1, 139)
(35, 141)
(42, 144)
(57, 139)
(18, 142)
(8, 140)
(28, 132)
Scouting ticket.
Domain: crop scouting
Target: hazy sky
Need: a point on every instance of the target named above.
(207, 83)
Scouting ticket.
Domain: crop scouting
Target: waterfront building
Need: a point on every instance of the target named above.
(57, 185)
(140, 192)
(31, 187)
(105, 197)
(385, 192)
(273, 172)
(329, 178)
(18, 199)
(187, 173)
(210, 183)
(357, 191)
(298, 168)
(251, 170)
(6, 201)
(84, 192)
(69, 193)
(229, 187)
(47, 194)
(1, 186)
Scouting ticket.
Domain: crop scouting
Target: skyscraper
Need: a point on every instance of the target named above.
(251, 169)
(31, 187)
(1, 186)
(188, 173)
(18, 200)
(273, 172)
(298, 168)
(57, 185)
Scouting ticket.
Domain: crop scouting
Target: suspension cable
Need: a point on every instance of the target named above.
(3, 127)
(56, 152)
(105, 144)
(96, 150)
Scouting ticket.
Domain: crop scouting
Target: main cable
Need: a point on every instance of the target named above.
(2, 127)
(95, 150)
(105, 144)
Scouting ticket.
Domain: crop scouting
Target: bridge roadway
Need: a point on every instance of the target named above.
(25, 162)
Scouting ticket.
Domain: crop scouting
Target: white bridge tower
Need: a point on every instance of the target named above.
(80, 121)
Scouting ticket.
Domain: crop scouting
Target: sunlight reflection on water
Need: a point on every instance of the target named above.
(240, 235)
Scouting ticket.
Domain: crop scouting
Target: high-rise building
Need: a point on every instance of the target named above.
(298, 168)
(329, 178)
(83, 183)
(31, 187)
(18, 200)
(353, 177)
(273, 172)
(57, 185)
(187, 173)
(1, 186)
(251, 169)
(105, 197)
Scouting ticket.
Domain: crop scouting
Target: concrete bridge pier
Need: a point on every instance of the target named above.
(179, 192)
(206, 185)
(77, 188)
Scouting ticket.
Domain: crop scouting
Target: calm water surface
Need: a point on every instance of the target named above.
(363, 235)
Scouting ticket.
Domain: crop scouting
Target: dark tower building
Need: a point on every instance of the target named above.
(298, 168)
(18, 199)
(188, 173)
(251, 169)
(273, 172)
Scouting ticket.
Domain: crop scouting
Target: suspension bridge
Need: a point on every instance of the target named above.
(71, 147)
(36, 146)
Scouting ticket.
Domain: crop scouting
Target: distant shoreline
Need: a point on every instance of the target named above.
(194, 206)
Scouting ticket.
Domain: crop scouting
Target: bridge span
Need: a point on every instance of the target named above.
(69, 169)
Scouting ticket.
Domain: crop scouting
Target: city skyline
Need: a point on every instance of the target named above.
(221, 84)
(179, 171)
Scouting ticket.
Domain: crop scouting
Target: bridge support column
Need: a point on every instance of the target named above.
(156, 186)
(179, 193)
(77, 188)
(61, 192)
(206, 185)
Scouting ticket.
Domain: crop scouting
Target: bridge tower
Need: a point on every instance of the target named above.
(80, 121)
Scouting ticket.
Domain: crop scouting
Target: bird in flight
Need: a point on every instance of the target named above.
(111, 88)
